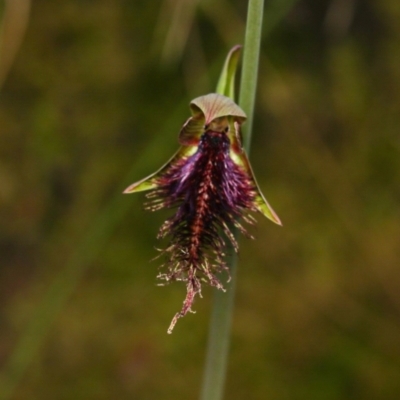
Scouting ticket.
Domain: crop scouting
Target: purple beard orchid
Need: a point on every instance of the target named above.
(210, 185)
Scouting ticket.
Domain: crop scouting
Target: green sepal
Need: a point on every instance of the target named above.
(220, 104)
(206, 109)
(261, 203)
(151, 181)
(226, 82)
(226, 87)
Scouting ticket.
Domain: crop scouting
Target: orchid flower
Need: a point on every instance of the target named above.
(211, 187)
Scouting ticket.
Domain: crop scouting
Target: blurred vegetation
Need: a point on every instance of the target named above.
(95, 99)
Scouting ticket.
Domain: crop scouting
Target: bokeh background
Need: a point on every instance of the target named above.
(94, 99)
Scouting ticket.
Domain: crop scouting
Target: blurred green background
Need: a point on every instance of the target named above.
(94, 100)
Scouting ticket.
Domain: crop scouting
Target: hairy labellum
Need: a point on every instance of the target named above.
(210, 184)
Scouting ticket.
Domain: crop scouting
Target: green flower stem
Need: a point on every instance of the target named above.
(219, 336)
(251, 55)
(220, 324)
